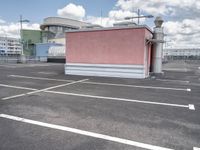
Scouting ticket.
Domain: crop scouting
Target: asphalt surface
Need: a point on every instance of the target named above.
(153, 111)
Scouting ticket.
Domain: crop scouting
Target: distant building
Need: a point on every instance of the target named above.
(52, 33)
(30, 38)
(182, 53)
(50, 52)
(10, 46)
(55, 27)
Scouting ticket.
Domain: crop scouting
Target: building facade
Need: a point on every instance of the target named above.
(112, 52)
(181, 53)
(55, 27)
(30, 38)
(10, 46)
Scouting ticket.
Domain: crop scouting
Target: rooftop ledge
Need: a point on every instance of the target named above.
(110, 28)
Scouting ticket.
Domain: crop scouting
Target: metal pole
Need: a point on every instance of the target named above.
(138, 16)
(22, 45)
(101, 16)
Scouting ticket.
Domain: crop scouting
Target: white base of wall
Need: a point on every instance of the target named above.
(105, 70)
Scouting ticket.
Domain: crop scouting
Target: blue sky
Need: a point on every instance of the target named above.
(36, 10)
(182, 17)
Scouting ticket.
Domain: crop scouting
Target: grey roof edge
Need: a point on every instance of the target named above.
(45, 23)
(67, 19)
(42, 26)
(110, 28)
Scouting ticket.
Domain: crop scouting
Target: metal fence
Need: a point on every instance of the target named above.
(17, 59)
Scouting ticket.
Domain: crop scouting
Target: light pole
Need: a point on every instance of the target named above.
(21, 35)
(138, 17)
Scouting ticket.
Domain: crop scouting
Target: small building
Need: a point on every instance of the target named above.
(111, 52)
(42, 50)
(30, 38)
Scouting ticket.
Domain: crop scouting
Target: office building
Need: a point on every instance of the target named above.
(55, 27)
(10, 46)
(192, 53)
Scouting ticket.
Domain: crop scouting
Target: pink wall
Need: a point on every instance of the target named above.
(116, 46)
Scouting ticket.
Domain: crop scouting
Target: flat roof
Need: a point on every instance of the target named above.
(66, 22)
(110, 28)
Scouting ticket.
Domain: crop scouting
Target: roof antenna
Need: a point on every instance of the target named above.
(101, 16)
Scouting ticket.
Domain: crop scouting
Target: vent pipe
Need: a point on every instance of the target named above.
(157, 49)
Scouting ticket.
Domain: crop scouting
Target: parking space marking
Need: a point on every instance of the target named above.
(40, 78)
(14, 96)
(139, 86)
(176, 69)
(48, 73)
(196, 148)
(42, 90)
(110, 84)
(169, 80)
(190, 106)
(85, 133)
(17, 87)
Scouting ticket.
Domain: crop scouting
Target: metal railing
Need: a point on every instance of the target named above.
(17, 59)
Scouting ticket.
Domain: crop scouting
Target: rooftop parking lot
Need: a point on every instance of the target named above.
(41, 108)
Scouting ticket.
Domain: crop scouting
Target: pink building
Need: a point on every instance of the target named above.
(113, 52)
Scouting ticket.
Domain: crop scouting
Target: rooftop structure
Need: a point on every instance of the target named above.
(112, 52)
(126, 23)
(56, 27)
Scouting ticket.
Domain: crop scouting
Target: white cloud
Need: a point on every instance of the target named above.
(182, 23)
(72, 11)
(158, 7)
(114, 16)
(2, 21)
(103, 21)
(182, 34)
(121, 14)
(13, 29)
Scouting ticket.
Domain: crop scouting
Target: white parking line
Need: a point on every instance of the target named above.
(48, 73)
(17, 87)
(85, 133)
(40, 78)
(168, 80)
(15, 96)
(100, 83)
(42, 90)
(196, 148)
(138, 86)
(190, 106)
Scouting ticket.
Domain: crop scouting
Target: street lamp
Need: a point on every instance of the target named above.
(138, 17)
(21, 35)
